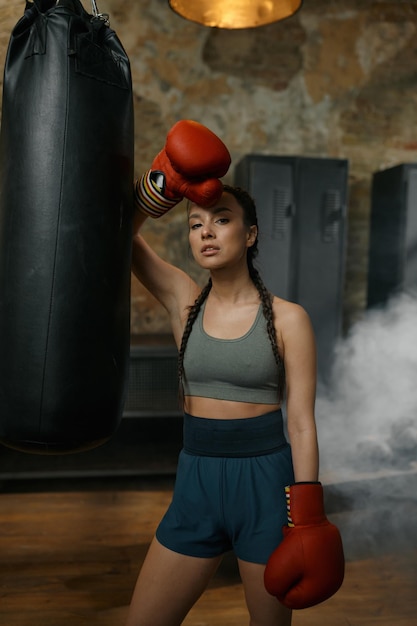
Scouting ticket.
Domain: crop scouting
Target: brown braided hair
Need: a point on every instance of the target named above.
(250, 219)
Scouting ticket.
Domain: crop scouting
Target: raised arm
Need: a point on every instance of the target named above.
(188, 166)
(172, 287)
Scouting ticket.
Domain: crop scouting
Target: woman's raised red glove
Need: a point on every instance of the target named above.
(189, 166)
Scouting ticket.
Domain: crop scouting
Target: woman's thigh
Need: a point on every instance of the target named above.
(264, 609)
(168, 586)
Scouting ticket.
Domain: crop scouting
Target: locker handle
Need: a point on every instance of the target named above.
(282, 210)
(332, 214)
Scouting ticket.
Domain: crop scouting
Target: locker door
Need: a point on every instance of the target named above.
(270, 181)
(393, 233)
(320, 242)
(410, 260)
(302, 214)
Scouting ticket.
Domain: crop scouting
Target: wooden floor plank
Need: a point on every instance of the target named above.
(72, 558)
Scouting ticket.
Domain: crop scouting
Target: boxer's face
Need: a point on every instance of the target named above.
(219, 237)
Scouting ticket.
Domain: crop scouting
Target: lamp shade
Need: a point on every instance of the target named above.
(235, 13)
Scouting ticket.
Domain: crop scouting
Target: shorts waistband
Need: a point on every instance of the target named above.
(253, 436)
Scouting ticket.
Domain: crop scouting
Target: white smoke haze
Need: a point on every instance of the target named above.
(367, 423)
(367, 417)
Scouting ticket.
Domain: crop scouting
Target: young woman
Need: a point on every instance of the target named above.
(240, 349)
(233, 314)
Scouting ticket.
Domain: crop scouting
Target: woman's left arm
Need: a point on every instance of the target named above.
(299, 352)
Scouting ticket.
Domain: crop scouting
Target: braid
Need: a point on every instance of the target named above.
(249, 212)
(192, 315)
(266, 300)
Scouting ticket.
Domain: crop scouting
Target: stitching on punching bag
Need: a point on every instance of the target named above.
(38, 35)
(97, 62)
(58, 224)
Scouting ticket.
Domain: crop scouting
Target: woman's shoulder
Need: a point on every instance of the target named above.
(288, 308)
(289, 315)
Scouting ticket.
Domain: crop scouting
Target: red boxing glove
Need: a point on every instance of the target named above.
(308, 566)
(189, 166)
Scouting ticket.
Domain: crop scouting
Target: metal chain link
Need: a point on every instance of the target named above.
(101, 16)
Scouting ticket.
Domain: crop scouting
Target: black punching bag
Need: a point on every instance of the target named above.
(66, 171)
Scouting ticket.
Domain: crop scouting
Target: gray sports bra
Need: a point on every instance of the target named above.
(242, 369)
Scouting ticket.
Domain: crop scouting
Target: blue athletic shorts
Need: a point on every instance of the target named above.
(229, 490)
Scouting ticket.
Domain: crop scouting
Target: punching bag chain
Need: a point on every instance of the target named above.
(101, 16)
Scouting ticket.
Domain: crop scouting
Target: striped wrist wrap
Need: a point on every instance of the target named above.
(149, 199)
(288, 499)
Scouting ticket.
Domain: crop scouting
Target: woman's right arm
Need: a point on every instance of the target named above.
(189, 165)
(172, 287)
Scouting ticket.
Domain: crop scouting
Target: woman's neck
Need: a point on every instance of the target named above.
(233, 290)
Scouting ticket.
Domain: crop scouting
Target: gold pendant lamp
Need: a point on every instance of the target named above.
(235, 13)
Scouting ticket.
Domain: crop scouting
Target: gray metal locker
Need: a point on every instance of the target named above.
(393, 233)
(301, 204)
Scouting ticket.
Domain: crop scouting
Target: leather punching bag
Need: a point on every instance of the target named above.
(66, 172)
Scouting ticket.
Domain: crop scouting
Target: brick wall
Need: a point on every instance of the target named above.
(336, 80)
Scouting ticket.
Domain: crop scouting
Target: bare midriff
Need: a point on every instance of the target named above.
(225, 409)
